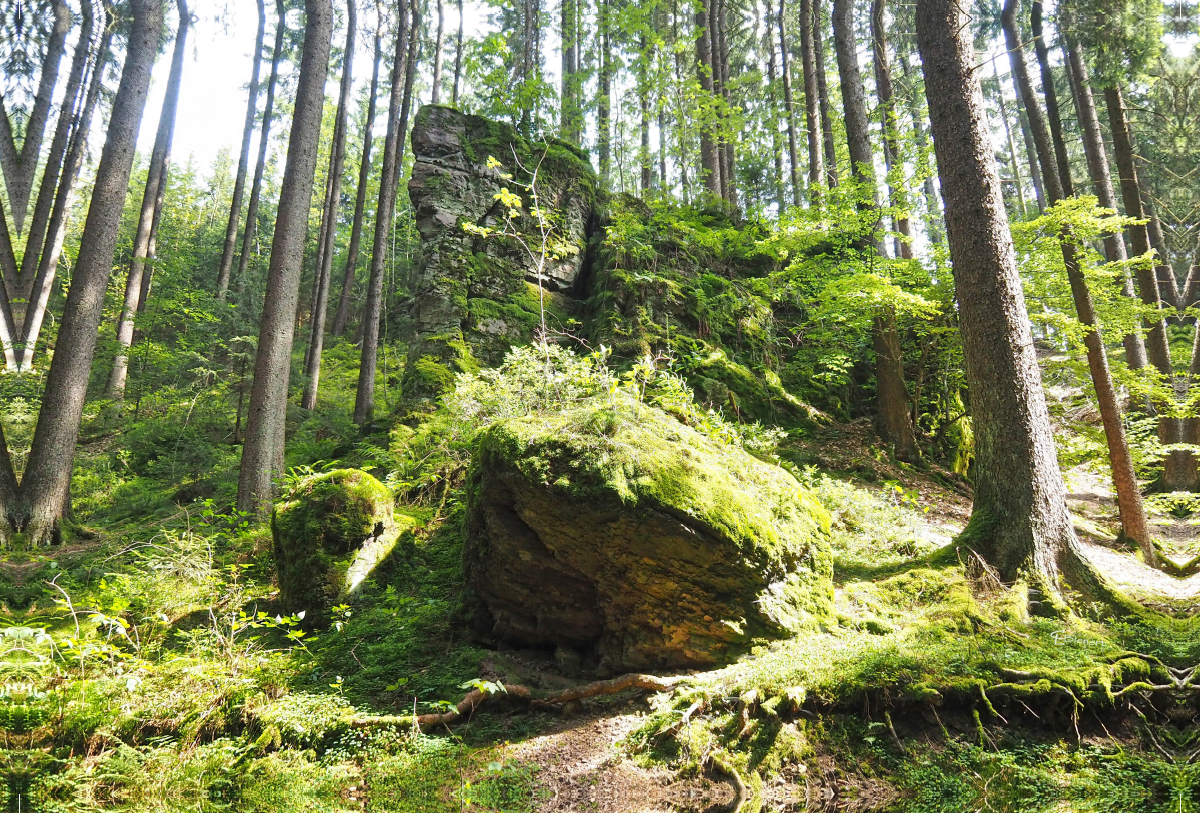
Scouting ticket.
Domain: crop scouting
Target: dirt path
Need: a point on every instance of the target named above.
(581, 769)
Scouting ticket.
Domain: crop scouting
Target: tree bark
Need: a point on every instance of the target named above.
(709, 161)
(393, 150)
(264, 142)
(1014, 160)
(772, 102)
(604, 95)
(152, 199)
(316, 342)
(831, 170)
(458, 55)
(1098, 169)
(1019, 519)
(569, 122)
(438, 45)
(812, 101)
(789, 109)
(895, 423)
(1051, 150)
(727, 138)
(43, 282)
(45, 487)
(1156, 331)
(225, 269)
(360, 199)
(262, 451)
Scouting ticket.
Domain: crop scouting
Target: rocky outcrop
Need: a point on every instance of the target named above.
(474, 297)
(331, 532)
(630, 541)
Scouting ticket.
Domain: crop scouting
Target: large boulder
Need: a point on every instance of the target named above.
(630, 541)
(474, 297)
(329, 535)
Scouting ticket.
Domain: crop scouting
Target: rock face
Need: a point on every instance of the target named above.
(474, 297)
(620, 535)
(329, 535)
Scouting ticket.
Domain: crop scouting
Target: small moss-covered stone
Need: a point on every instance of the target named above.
(328, 536)
(623, 534)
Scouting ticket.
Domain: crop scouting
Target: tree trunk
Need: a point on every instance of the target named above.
(458, 55)
(603, 96)
(152, 199)
(895, 423)
(569, 122)
(789, 110)
(1053, 115)
(1156, 332)
(55, 162)
(360, 199)
(438, 45)
(831, 170)
(43, 282)
(709, 161)
(727, 138)
(812, 101)
(20, 167)
(1058, 187)
(225, 269)
(773, 123)
(645, 159)
(262, 451)
(1014, 161)
(1097, 161)
(1020, 517)
(46, 484)
(393, 152)
(316, 340)
(264, 141)
(891, 138)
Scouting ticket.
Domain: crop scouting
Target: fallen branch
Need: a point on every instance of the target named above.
(477, 697)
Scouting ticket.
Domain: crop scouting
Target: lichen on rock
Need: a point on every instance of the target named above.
(329, 534)
(612, 530)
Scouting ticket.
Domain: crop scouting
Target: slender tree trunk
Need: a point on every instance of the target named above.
(1056, 180)
(438, 46)
(262, 451)
(895, 424)
(604, 97)
(773, 123)
(727, 139)
(709, 160)
(812, 98)
(225, 269)
(20, 167)
(46, 484)
(152, 199)
(458, 55)
(1020, 518)
(789, 111)
(921, 141)
(831, 169)
(1030, 149)
(1156, 333)
(393, 150)
(569, 106)
(55, 159)
(360, 199)
(891, 146)
(316, 341)
(264, 142)
(1098, 169)
(645, 159)
(1013, 160)
(43, 282)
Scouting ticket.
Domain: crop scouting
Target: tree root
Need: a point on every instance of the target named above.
(546, 702)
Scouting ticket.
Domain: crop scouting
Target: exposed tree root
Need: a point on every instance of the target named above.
(477, 697)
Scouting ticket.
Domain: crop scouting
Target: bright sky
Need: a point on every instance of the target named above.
(212, 104)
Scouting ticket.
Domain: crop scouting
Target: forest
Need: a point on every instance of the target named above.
(617, 406)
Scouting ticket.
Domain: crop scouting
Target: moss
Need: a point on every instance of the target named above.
(318, 530)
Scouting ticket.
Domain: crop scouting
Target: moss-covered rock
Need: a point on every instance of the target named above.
(614, 531)
(329, 534)
(477, 296)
